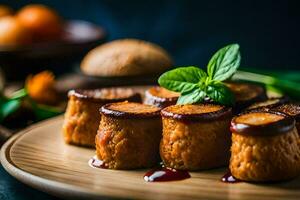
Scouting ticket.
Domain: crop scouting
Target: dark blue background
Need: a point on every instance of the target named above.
(268, 32)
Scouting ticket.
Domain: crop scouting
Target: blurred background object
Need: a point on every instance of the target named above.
(126, 57)
(5, 11)
(12, 32)
(43, 22)
(267, 31)
(36, 38)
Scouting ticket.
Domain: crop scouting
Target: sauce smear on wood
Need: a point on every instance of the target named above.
(228, 178)
(165, 174)
(95, 162)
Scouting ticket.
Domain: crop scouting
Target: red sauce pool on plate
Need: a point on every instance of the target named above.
(228, 178)
(159, 174)
(165, 174)
(95, 162)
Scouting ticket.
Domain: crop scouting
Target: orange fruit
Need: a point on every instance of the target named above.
(5, 11)
(44, 23)
(12, 32)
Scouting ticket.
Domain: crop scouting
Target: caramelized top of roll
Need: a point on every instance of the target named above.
(269, 103)
(162, 92)
(160, 97)
(130, 109)
(196, 111)
(106, 95)
(258, 118)
(262, 123)
(291, 109)
(245, 91)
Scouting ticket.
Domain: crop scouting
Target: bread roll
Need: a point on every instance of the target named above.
(195, 137)
(265, 147)
(82, 117)
(126, 57)
(128, 136)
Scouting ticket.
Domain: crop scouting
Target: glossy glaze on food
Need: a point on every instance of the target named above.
(269, 103)
(265, 147)
(195, 137)
(160, 97)
(229, 178)
(95, 162)
(82, 115)
(129, 135)
(246, 94)
(291, 109)
(163, 174)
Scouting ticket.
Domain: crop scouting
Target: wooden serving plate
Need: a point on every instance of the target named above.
(38, 156)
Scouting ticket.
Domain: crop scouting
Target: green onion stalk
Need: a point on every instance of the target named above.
(285, 86)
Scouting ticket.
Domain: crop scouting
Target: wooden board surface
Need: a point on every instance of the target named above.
(38, 157)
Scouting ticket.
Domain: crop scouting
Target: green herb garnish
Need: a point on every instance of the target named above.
(195, 85)
(9, 105)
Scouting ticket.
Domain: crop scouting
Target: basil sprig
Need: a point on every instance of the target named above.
(195, 85)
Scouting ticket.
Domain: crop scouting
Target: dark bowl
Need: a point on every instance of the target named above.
(77, 39)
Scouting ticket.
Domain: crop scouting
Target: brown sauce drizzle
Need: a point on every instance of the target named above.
(162, 174)
(159, 174)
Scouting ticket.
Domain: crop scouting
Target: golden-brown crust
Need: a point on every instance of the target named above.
(160, 97)
(195, 144)
(127, 143)
(196, 112)
(126, 57)
(258, 118)
(82, 115)
(246, 94)
(260, 158)
(263, 123)
(106, 95)
(130, 110)
(292, 109)
(269, 103)
(81, 122)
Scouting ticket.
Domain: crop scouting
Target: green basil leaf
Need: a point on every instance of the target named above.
(221, 94)
(182, 79)
(9, 107)
(224, 63)
(194, 96)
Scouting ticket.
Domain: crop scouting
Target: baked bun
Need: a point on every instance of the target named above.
(265, 147)
(82, 117)
(126, 57)
(128, 135)
(195, 137)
